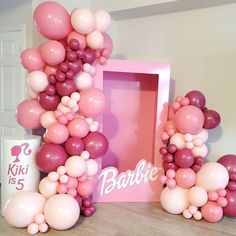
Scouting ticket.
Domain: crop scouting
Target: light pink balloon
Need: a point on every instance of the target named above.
(200, 151)
(103, 20)
(28, 114)
(85, 188)
(50, 69)
(47, 188)
(108, 44)
(179, 140)
(92, 167)
(78, 128)
(95, 40)
(52, 20)
(75, 166)
(189, 119)
(211, 212)
(61, 211)
(21, 208)
(31, 59)
(57, 133)
(38, 81)
(33, 228)
(83, 20)
(47, 119)
(79, 37)
(185, 178)
(52, 52)
(197, 196)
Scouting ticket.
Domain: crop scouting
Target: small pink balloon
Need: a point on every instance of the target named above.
(81, 39)
(222, 192)
(62, 188)
(64, 179)
(43, 228)
(176, 106)
(78, 128)
(198, 215)
(85, 188)
(57, 133)
(33, 228)
(38, 81)
(184, 101)
(170, 173)
(82, 179)
(171, 183)
(222, 202)
(211, 212)
(192, 210)
(213, 196)
(39, 219)
(187, 214)
(50, 69)
(108, 45)
(61, 170)
(31, 59)
(72, 183)
(53, 176)
(102, 60)
(185, 178)
(163, 179)
(72, 192)
(47, 119)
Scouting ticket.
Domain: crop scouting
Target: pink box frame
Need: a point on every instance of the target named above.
(144, 192)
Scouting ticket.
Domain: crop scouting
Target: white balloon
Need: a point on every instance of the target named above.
(83, 81)
(103, 20)
(201, 151)
(47, 118)
(179, 140)
(38, 81)
(203, 135)
(31, 94)
(48, 188)
(92, 167)
(95, 40)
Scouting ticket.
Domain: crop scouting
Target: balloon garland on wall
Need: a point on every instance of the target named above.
(64, 102)
(194, 188)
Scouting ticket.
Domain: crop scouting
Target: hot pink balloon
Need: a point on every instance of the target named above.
(57, 133)
(52, 52)
(211, 212)
(185, 178)
(52, 20)
(189, 119)
(92, 102)
(28, 114)
(79, 37)
(31, 59)
(78, 128)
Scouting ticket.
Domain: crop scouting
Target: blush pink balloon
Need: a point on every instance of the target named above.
(52, 20)
(28, 114)
(57, 133)
(189, 119)
(103, 20)
(52, 52)
(47, 188)
(92, 167)
(75, 166)
(50, 70)
(95, 40)
(211, 212)
(92, 102)
(197, 196)
(31, 59)
(108, 45)
(78, 128)
(185, 178)
(47, 119)
(79, 37)
(85, 188)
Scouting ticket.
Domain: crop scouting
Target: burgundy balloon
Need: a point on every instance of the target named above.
(64, 67)
(230, 209)
(196, 99)
(50, 156)
(89, 55)
(49, 102)
(232, 176)
(169, 165)
(71, 56)
(74, 44)
(199, 160)
(172, 148)
(50, 90)
(163, 150)
(76, 66)
(70, 74)
(231, 186)
(184, 158)
(196, 168)
(212, 119)
(60, 76)
(96, 144)
(74, 146)
(80, 54)
(229, 162)
(168, 157)
(65, 88)
(52, 79)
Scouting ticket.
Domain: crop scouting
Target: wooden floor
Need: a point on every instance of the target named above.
(135, 219)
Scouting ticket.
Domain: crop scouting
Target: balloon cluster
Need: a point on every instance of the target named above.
(63, 101)
(201, 190)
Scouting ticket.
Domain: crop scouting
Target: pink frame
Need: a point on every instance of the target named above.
(146, 192)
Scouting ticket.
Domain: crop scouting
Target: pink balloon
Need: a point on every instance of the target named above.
(211, 212)
(50, 70)
(52, 20)
(85, 188)
(92, 167)
(75, 166)
(28, 114)
(108, 44)
(197, 196)
(57, 133)
(78, 128)
(47, 188)
(185, 178)
(189, 119)
(31, 59)
(21, 208)
(79, 37)
(92, 102)
(52, 52)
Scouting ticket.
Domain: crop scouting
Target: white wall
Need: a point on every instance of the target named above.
(200, 45)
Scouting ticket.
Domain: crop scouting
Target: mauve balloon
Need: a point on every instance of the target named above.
(196, 99)
(229, 162)
(74, 146)
(212, 119)
(65, 88)
(89, 55)
(230, 209)
(184, 158)
(75, 66)
(49, 102)
(96, 144)
(50, 156)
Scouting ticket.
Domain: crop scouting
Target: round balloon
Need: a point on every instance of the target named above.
(197, 196)
(230, 209)
(196, 98)
(212, 119)
(185, 178)
(21, 208)
(103, 20)
(61, 211)
(74, 146)
(229, 162)
(49, 102)
(38, 81)
(78, 128)
(75, 166)
(57, 133)
(28, 114)
(184, 158)
(211, 212)
(48, 188)
(52, 20)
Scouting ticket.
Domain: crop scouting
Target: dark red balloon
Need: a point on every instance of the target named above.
(70, 74)
(168, 157)
(229, 162)
(74, 44)
(50, 90)
(50, 156)
(64, 67)
(231, 186)
(74, 146)
(75, 66)
(60, 76)
(96, 144)
(184, 158)
(71, 56)
(211, 119)
(230, 209)
(49, 102)
(65, 88)
(196, 99)
(89, 55)
(169, 165)
(52, 79)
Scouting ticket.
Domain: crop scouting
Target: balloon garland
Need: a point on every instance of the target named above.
(64, 102)
(194, 188)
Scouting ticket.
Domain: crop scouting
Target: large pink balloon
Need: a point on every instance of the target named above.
(78, 128)
(211, 212)
(52, 20)
(189, 119)
(57, 133)
(28, 114)
(92, 102)
(52, 52)
(185, 178)
(31, 59)
(21, 208)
